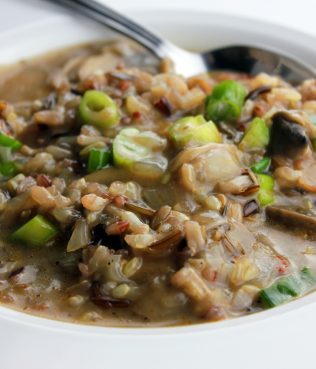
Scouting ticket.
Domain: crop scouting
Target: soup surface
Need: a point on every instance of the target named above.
(130, 196)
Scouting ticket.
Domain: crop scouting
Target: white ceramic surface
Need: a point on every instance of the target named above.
(281, 338)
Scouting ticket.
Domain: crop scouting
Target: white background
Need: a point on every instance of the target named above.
(299, 14)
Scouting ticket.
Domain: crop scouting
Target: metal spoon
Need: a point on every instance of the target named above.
(246, 59)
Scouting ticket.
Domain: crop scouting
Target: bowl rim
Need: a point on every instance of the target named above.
(25, 319)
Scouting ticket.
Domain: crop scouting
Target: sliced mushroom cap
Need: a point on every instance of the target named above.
(253, 94)
(288, 137)
(292, 219)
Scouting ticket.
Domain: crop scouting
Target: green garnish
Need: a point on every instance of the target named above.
(37, 232)
(287, 288)
(262, 165)
(131, 146)
(11, 142)
(194, 131)
(8, 169)
(266, 193)
(225, 102)
(256, 136)
(98, 109)
(98, 159)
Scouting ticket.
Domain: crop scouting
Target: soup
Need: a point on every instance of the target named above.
(130, 196)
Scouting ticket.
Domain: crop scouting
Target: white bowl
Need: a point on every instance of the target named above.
(280, 338)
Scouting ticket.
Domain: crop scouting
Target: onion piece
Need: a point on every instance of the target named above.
(80, 237)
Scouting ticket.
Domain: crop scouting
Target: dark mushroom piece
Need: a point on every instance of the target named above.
(287, 137)
(251, 207)
(291, 219)
(253, 94)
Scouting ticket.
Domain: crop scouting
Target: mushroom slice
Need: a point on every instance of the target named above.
(287, 137)
(291, 219)
(98, 64)
(253, 94)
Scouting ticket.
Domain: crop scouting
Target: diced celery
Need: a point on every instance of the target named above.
(287, 288)
(266, 193)
(194, 131)
(262, 165)
(256, 136)
(225, 102)
(37, 231)
(9, 141)
(98, 159)
(98, 109)
(272, 297)
(131, 146)
(8, 169)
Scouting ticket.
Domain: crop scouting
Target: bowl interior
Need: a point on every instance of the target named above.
(46, 27)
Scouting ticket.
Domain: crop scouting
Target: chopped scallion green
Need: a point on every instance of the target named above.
(98, 109)
(225, 102)
(98, 159)
(266, 193)
(131, 146)
(11, 142)
(256, 136)
(262, 165)
(287, 288)
(37, 231)
(8, 169)
(194, 131)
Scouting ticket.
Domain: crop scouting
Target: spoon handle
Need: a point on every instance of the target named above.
(109, 17)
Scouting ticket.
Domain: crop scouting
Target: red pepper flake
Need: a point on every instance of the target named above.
(258, 110)
(214, 277)
(241, 127)
(136, 115)
(124, 85)
(43, 180)
(281, 268)
(164, 106)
